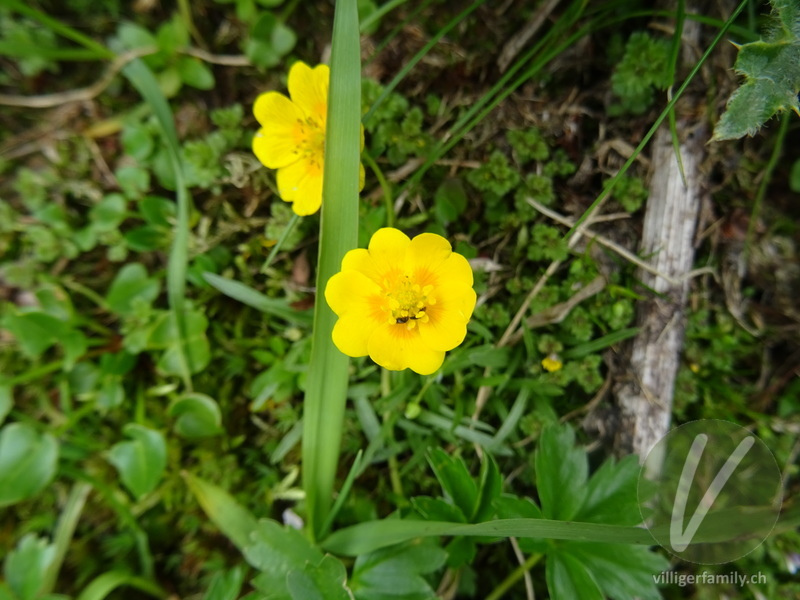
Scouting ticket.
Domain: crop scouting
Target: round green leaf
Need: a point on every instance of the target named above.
(197, 416)
(141, 461)
(131, 282)
(27, 462)
(195, 73)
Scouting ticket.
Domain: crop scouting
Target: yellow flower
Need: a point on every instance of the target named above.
(552, 363)
(292, 136)
(404, 302)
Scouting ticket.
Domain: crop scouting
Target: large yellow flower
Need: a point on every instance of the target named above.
(292, 136)
(404, 302)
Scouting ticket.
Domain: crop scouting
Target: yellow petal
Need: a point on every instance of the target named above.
(454, 270)
(353, 292)
(276, 143)
(351, 334)
(395, 347)
(309, 89)
(387, 248)
(301, 183)
(447, 321)
(361, 177)
(427, 252)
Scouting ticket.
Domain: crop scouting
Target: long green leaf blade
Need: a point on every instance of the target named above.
(326, 388)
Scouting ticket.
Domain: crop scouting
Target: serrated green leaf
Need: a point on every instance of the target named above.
(28, 462)
(395, 572)
(568, 579)
(620, 571)
(197, 416)
(325, 581)
(771, 69)
(611, 494)
(561, 473)
(140, 462)
(457, 484)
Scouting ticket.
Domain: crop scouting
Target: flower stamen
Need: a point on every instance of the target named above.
(408, 302)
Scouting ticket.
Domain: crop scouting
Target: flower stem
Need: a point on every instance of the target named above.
(385, 186)
(514, 576)
(281, 241)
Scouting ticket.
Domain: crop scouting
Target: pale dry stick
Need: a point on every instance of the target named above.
(119, 63)
(557, 313)
(82, 94)
(626, 254)
(527, 575)
(518, 41)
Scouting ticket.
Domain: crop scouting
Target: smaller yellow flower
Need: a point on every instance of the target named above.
(292, 136)
(552, 363)
(403, 302)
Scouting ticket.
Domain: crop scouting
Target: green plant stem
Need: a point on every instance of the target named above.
(394, 467)
(514, 576)
(326, 387)
(777, 150)
(64, 532)
(281, 241)
(385, 186)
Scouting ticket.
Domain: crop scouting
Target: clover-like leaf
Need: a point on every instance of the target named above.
(140, 461)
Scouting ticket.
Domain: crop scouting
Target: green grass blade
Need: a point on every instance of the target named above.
(600, 343)
(247, 295)
(326, 388)
(58, 27)
(646, 139)
(419, 56)
(145, 82)
(106, 583)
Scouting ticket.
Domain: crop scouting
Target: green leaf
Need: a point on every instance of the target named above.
(325, 581)
(436, 509)
(620, 571)
(450, 200)
(104, 584)
(490, 485)
(107, 214)
(236, 522)
(140, 462)
(157, 211)
(561, 473)
(396, 572)
(269, 41)
(455, 480)
(131, 283)
(25, 566)
(197, 416)
(146, 238)
(794, 177)
(771, 69)
(611, 494)
(247, 295)
(195, 73)
(28, 462)
(226, 585)
(276, 551)
(34, 331)
(195, 349)
(568, 579)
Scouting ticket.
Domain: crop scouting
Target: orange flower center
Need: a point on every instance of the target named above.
(408, 302)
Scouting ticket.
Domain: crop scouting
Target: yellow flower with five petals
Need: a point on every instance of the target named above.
(403, 302)
(292, 136)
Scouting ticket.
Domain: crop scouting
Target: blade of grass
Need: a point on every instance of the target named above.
(103, 585)
(646, 139)
(281, 240)
(247, 295)
(145, 82)
(419, 56)
(326, 388)
(380, 12)
(67, 523)
(58, 27)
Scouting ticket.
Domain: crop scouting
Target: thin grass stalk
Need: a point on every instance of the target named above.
(326, 387)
